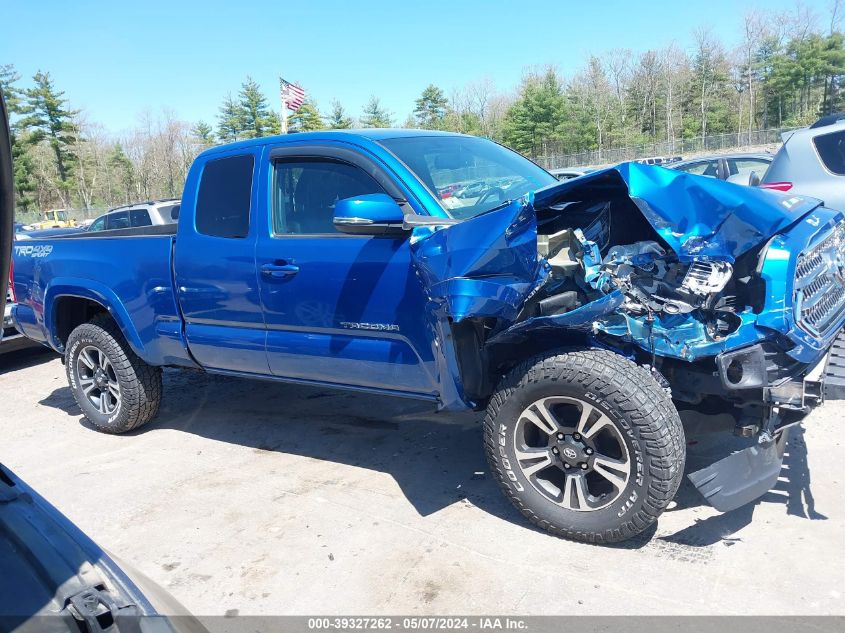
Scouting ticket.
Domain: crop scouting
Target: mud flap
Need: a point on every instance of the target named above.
(742, 477)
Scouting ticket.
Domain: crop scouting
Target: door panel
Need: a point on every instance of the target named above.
(352, 314)
(216, 279)
(338, 308)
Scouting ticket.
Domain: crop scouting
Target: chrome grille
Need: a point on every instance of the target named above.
(819, 287)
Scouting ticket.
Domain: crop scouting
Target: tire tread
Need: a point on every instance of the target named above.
(633, 390)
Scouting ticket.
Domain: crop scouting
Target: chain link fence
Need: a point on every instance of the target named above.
(717, 143)
(79, 215)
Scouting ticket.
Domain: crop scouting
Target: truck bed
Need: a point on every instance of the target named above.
(129, 270)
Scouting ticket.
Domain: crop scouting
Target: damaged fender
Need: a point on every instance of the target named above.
(489, 266)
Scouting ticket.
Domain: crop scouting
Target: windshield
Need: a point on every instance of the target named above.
(468, 175)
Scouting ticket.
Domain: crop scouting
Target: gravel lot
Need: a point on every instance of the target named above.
(262, 498)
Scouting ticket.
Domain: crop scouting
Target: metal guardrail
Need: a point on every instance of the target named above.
(716, 143)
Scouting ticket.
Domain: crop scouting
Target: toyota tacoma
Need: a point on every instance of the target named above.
(582, 315)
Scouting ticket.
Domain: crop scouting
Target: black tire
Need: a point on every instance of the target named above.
(139, 384)
(646, 426)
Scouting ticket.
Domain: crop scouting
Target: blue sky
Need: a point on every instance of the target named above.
(116, 58)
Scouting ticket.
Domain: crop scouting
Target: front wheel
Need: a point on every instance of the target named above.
(116, 390)
(586, 444)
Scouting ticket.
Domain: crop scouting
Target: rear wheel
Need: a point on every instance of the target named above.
(586, 445)
(116, 390)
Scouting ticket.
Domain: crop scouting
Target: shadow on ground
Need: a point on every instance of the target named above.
(436, 459)
(26, 357)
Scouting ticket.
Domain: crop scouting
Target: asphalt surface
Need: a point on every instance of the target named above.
(261, 498)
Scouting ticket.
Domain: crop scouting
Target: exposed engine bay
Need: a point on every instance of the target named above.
(589, 259)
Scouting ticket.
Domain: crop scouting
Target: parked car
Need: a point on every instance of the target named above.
(568, 173)
(658, 160)
(737, 168)
(151, 213)
(581, 314)
(811, 162)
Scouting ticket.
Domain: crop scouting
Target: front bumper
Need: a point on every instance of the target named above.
(748, 474)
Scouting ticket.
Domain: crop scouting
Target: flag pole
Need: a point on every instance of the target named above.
(284, 114)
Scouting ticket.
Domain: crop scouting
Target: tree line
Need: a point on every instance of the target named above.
(787, 70)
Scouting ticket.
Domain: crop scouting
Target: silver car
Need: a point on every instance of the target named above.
(736, 168)
(152, 213)
(811, 162)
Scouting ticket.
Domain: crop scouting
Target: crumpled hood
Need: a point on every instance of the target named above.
(489, 265)
(695, 216)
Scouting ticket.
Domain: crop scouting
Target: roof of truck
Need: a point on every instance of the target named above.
(370, 134)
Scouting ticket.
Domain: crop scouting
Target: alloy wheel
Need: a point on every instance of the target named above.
(572, 453)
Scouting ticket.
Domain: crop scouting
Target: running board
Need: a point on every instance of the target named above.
(742, 477)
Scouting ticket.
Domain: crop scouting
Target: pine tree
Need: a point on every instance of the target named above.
(47, 118)
(431, 108)
(538, 115)
(306, 119)
(203, 133)
(230, 121)
(123, 172)
(23, 168)
(375, 115)
(256, 116)
(337, 119)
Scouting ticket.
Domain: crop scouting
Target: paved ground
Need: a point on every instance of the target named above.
(266, 499)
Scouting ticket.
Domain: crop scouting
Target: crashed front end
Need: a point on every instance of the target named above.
(732, 296)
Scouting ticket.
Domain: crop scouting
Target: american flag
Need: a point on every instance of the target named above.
(292, 95)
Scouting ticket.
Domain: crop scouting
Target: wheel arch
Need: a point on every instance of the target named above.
(67, 306)
(481, 364)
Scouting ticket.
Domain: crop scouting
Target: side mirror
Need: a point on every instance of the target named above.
(371, 214)
(754, 179)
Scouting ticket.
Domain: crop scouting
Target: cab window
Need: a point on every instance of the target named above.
(306, 191)
(224, 196)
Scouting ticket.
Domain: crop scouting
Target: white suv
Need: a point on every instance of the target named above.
(153, 213)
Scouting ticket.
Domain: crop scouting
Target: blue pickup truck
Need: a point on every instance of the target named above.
(582, 315)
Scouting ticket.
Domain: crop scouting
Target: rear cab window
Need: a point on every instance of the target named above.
(831, 149)
(224, 197)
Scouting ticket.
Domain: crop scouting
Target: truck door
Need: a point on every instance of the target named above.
(215, 265)
(342, 309)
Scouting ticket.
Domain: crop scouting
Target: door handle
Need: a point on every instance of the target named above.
(279, 271)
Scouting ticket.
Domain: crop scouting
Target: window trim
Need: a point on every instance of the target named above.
(354, 158)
